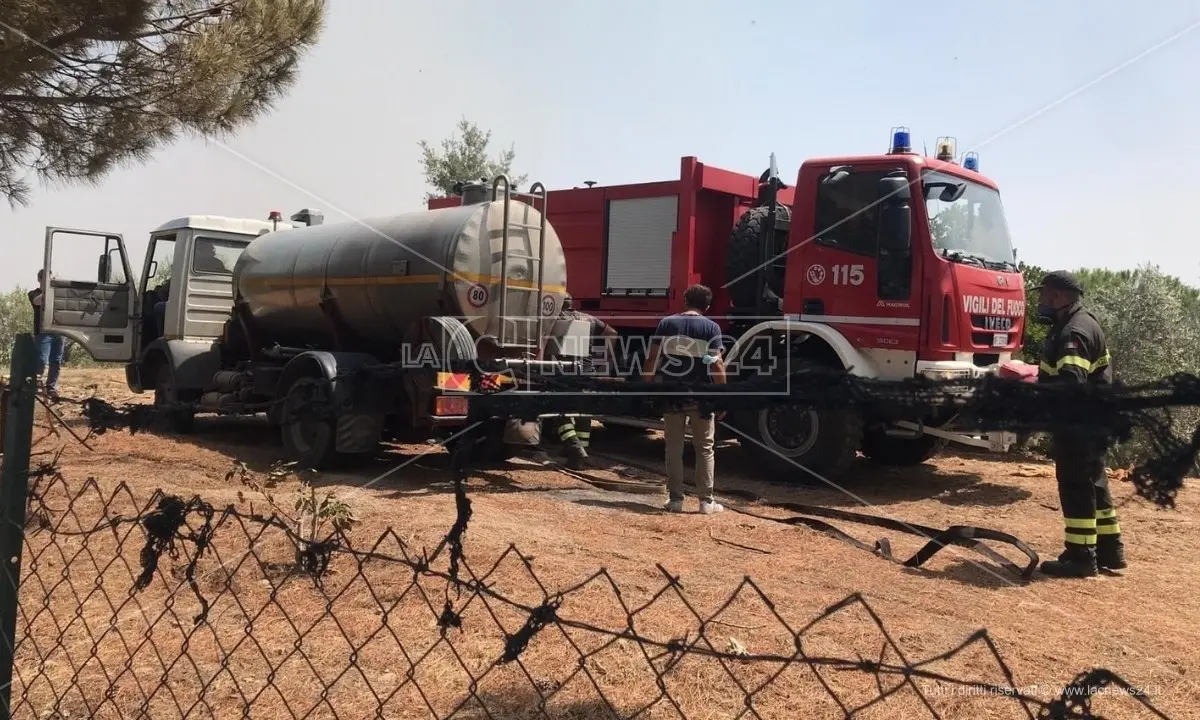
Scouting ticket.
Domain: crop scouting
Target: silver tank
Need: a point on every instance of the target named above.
(387, 274)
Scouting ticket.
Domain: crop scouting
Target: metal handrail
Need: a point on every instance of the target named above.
(503, 253)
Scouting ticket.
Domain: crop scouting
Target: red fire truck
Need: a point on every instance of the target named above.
(891, 266)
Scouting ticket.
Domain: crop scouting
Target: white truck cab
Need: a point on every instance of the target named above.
(116, 318)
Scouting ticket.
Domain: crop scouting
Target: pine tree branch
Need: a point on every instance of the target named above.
(98, 100)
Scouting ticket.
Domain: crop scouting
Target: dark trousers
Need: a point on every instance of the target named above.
(1087, 505)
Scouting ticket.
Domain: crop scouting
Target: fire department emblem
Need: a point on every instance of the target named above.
(816, 274)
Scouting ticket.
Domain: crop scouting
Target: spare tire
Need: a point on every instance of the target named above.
(741, 256)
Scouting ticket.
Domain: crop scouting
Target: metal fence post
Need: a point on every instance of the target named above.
(14, 487)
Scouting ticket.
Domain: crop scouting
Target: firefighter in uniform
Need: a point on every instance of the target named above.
(1075, 352)
(576, 433)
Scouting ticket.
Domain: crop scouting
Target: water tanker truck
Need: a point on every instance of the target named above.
(234, 316)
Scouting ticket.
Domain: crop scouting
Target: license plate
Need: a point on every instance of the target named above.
(1000, 340)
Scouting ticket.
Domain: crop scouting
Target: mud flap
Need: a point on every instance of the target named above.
(358, 433)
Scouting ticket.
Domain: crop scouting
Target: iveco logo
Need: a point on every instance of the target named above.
(1001, 281)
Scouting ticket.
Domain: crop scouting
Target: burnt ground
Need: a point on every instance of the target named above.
(1141, 624)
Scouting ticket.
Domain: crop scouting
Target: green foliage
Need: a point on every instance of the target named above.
(16, 317)
(464, 156)
(1035, 334)
(87, 87)
(314, 517)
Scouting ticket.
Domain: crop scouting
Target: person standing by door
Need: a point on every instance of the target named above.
(49, 347)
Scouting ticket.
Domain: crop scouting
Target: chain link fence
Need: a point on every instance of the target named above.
(120, 606)
(160, 608)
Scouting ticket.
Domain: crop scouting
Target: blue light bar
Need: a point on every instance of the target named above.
(901, 140)
(971, 161)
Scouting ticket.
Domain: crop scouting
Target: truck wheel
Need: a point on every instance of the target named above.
(170, 419)
(792, 438)
(884, 449)
(741, 256)
(308, 439)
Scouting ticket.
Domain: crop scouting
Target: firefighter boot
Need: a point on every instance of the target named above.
(1110, 552)
(1077, 561)
(576, 456)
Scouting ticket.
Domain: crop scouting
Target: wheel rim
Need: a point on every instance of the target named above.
(789, 430)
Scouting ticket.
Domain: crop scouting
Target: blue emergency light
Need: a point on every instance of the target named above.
(901, 140)
(971, 161)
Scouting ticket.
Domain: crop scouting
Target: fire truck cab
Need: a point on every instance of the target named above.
(889, 266)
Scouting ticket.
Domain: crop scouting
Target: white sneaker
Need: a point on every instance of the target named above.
(674, 506)
(710, 507)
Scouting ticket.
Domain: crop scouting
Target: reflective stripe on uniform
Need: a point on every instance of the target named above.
(1076, 361)
(566, 431)
(1106, 522)
(1080, 531)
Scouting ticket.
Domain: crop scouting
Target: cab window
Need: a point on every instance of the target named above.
(847, 213)
(213, 256)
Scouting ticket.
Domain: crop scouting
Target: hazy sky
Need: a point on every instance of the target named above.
(618, 91)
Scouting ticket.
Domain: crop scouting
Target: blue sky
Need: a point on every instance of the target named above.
(619, 91)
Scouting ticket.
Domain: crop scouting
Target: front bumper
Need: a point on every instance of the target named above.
(964, 370)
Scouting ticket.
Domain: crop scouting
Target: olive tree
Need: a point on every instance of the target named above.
(88, 86)
(464, 156)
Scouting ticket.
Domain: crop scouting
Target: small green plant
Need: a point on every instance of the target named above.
(315, 518)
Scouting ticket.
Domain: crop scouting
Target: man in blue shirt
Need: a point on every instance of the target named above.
(687, 349)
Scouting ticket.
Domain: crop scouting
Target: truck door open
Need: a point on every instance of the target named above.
(88, 292)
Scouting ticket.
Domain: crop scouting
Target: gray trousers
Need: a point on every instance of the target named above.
(703, 435)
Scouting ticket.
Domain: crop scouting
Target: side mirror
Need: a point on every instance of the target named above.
(951, 192)
(103, 269)
(895, 228)
(837, 174)
(894, 189)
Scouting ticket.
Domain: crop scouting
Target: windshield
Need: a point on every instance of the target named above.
(970, 229)
(216, 257)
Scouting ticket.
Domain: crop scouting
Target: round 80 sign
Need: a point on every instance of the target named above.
(477, 295)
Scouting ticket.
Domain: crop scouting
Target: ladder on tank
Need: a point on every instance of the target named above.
(532, 336)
